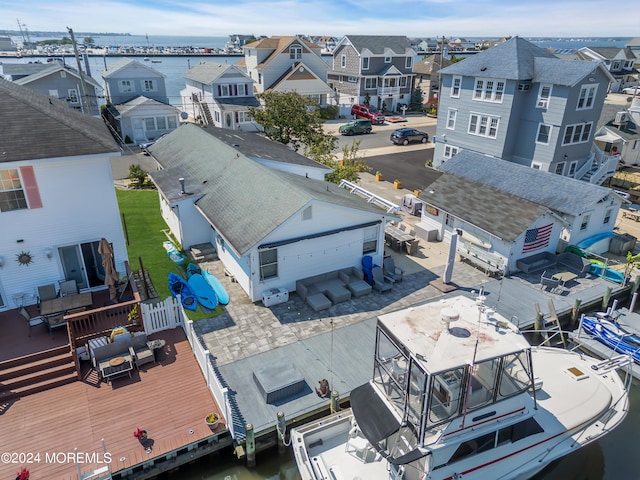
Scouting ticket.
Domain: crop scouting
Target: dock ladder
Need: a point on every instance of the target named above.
(551, 327)
(102, 473)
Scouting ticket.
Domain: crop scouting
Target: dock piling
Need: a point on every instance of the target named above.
(251, 446)
(282, 430)
(335, 401)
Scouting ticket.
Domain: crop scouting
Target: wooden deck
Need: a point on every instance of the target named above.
(169, 399)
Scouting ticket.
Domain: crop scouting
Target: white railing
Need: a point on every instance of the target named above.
(371, 197)
(203, 357)
(388, 90)
(604, 165)
(161, 316)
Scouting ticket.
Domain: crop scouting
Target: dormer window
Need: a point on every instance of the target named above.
(408, 63)
(295, 52)
(387, 59)
(543, 96)
(365, 63)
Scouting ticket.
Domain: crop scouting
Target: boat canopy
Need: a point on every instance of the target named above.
(375, 419)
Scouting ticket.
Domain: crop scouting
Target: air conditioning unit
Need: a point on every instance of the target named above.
(620, 117)
(524, 87)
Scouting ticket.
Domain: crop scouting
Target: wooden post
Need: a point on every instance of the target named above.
(144, 280)
(251, 446)
(335, 401)
(282, 429)
(575, 311)
(605, 299)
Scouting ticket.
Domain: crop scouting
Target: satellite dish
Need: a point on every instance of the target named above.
(184, 115)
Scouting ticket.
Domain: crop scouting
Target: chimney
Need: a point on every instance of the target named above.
(182, 192)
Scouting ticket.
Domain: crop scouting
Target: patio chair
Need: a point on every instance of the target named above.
(140, 351)
(47, 292)
(380, 283)
(33, 321)
(390, 271)
(367, 265)
(68, 287)
(54, 321)
(547, 282)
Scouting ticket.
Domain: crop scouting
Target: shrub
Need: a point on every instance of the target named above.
(137, 176)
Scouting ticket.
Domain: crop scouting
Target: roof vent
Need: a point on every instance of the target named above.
(182, 192)
(483, 69)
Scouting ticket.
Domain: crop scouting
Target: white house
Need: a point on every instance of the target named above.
(219, 94)
(57, 198)
(270, 227)
(510, 211)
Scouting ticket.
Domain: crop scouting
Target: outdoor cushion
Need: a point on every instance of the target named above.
(318, 301)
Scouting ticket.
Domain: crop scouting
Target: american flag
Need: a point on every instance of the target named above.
(536, 238)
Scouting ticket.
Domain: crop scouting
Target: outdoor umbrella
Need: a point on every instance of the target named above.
(110, 274)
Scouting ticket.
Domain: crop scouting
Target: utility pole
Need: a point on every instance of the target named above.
(85, 99)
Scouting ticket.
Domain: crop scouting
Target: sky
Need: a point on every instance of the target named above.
(413, 18)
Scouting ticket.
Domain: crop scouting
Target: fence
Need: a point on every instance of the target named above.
(160, 316)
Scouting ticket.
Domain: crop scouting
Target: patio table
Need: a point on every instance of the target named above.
(564, 277)
(396, 237)
(62, 304)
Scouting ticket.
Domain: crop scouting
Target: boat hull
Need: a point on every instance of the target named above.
(179, 286)
(216, 285)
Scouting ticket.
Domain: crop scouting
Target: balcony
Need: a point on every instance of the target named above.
(601, 167)
(388, 91)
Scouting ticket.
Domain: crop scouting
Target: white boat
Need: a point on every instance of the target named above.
(458, 393)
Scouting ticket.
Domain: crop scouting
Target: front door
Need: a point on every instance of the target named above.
(138, 130)
(72, 265)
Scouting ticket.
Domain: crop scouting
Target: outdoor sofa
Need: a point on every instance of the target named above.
(113, 360)
(322, 291)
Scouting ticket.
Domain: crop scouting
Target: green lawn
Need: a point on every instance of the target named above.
(143, 226)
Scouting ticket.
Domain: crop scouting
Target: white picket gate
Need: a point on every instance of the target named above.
(162, 315)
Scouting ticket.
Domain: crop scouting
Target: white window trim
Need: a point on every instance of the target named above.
(452, 116)
(559, 166)
(575, 127)
(456, 86)
(488, 121)
(368, 61)
(373, 83)
(488, 90)
(540, 125)
(402, 82)
(573, 168)
(387, 59)
(590, 92)
(343, 61)
(450, 151)
(295, 52)
(543, 102)
(408, 62)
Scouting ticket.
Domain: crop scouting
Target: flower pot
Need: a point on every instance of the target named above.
(378, 177)
(397, 184)
(212, 420)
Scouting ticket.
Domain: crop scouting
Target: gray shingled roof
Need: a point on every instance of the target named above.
(557, 192)
(243, 200)
(22, 69)
(611, 52)
(378, 44)
(628, 132)
(52, 68)
(36, 127)
(208, 72)
(125, 62)
(502, 214)
(562, 72)
(139, 101)
(512, 60)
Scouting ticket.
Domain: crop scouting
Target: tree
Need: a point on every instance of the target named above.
(349, 167)
(89, 41)
(289, 118)
(415, 102)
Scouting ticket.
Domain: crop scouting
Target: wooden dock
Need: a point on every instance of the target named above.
(169, 399)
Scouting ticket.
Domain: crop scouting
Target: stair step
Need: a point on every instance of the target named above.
(38, 387)
(14, 362)
(37, 376)
(35, 366)
(203, 252)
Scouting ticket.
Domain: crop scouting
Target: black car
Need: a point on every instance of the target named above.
(406, 135)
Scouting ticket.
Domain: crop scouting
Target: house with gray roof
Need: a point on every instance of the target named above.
(57, 80)
(377, 69)
(127, 79)
(269, 226)
(513, 195)
(219, 94)
(56, 196)
(619, 61)
(618, 132)
(520, 103)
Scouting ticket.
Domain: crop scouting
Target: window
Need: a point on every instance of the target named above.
(370, 239)
(403, 81)
(343, 61)
(268, 263)
(450, 151)
(585, 222)
(607, 216)
(72, 95)
(488, 90)
(636, 144)
(455, 87)
(370, 83)
(161, 123)
(243, 117)
(125, 86)
(451, 118)
(615, 65)
(223, 90)
(172, 122)
(352, 79)
(12, 195)
(544, 132)
(483, 125)
(295, 52)
(543, 96)
(365, 63)
(408, 62)
(560, 168)
(387, 59)
(448, 220)
(148, 86)
(577, 133)
(587, 96)
(572, 168)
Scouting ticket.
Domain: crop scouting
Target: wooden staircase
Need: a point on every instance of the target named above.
(35, 373)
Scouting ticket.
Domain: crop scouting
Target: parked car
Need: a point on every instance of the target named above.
(631, 90)
(369, 112)
(362, 125)
(145, 145)
(407, 135)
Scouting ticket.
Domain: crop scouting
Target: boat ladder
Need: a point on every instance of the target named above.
(102, 473)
